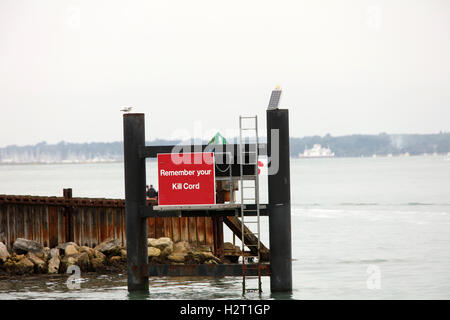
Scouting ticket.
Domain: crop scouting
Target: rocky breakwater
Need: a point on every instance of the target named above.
(30, 257)
(164, 251)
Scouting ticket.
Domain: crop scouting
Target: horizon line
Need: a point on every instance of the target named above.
(234, 137)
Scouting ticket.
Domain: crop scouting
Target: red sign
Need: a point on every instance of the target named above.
(186, 179)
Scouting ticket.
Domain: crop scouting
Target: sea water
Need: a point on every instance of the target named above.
(362, 228)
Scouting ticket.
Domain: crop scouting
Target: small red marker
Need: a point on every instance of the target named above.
(260, 164)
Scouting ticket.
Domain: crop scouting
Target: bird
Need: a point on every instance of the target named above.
(126, 109)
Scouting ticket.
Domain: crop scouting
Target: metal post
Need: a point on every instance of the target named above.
(137, 255)
(279, 203)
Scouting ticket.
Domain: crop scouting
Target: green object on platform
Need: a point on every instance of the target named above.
(218, 139)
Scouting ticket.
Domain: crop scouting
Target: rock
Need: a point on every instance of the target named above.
(193, 257)
(9, 266)
(41, 255)
(71, 250)
(207, 255)
(39, 264)
(62, 247)
(53, 263)
(97, 264)
(79, 259)
(98, 260)
(66, 262)
(88, 250)
(82, 260)
(54, 253)
(153, 252)
(167, 251)
(199, 257)
(99, 255)
(177, 257)
(160, 243)
(4, 254)
(228, 246)
(123, 254)
(180, 251)
(163, 244)
(23, 246)
(110, 247)
(203, 248)
(115, 259)
(181, 247)
(24, 266)
(46, 253)
(17, 257)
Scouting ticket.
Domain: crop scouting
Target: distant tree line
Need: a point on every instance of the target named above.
(383, 144)
(343, 146)
(67, 152)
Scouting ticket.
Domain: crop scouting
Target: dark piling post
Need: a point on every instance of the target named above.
(137, 255)
(68, 211)
(67, 193)
(279, 201)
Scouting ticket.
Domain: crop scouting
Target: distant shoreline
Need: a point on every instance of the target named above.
(355, 145)
(442, 155)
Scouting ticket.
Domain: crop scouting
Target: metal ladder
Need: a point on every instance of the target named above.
(255, 218)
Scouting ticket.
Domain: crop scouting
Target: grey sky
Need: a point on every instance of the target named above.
(67, 67)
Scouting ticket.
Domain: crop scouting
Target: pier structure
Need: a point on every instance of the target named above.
(88, 222)
(278, 208)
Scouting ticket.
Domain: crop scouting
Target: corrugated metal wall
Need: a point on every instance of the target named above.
(86, 221)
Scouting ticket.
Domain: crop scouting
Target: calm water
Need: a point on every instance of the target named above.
(349, 216)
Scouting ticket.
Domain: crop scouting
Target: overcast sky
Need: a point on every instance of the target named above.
(67, 67)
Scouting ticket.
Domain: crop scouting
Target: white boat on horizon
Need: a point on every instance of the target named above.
(317, 151)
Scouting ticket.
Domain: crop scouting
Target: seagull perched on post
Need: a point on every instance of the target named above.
(126, 109)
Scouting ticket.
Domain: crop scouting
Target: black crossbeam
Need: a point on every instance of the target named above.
(206, 270)
(148, 212)
(152, 151)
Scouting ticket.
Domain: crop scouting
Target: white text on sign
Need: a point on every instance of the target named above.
(185, 186)
(185, 172)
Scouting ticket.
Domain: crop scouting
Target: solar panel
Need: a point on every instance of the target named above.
(274, 99)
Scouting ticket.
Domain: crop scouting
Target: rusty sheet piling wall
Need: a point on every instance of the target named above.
(87, 221)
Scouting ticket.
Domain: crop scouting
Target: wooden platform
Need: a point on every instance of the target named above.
(219, 206)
